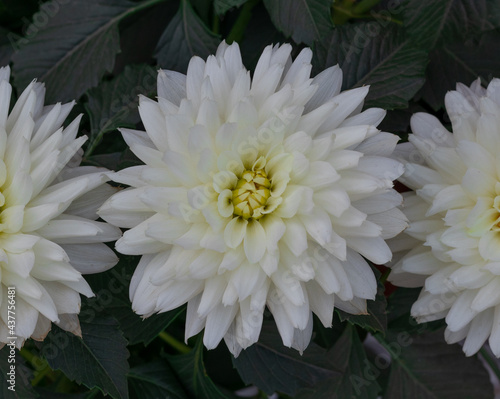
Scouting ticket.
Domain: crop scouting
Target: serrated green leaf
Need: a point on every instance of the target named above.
(430, 22)
(185, 36)
(191, 372)
(154, 380)
(223, 6)
(304, 20)
(347, 354)
(76, 46)
(273, 367)
(114, 103)
(463, 63)
(97, 360)
(376, 319)
(22, 374)
(383, 58)
(426, 367)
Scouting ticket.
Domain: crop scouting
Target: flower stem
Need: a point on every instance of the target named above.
(238, 30)
(174, 343)
(491, 362)
(41, 366)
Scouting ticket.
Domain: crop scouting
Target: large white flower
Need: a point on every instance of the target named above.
(48, 236)
(454, 233)
(256, 191)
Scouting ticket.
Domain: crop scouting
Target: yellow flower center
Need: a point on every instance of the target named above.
(251, 194)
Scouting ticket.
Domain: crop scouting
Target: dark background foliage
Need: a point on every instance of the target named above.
(103, 53)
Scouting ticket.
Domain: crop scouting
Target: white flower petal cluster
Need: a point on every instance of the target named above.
(256, 191)
(48, 232)
(452, 246)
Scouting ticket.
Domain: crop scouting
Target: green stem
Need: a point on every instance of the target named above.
(491, 362)
(384, 276)
(174, 343)
(36, 361)
(216, 24)
(238, 29)
(347, 14)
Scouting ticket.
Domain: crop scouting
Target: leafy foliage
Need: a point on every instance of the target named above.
(104, 53)
(98, 359)
(185, 37)
(426, 367)
(191, 372)
(304, 20)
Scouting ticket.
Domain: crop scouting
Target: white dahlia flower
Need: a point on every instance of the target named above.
(48, 236)
(452, 246)
(256, 191)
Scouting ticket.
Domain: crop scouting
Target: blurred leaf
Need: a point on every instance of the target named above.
(259, 33)
(114, 103)
(74, 48)
(429, 22)
(135, 328)
(223, 6)
(425, 366)
(154, 380)
(304, 20)
(349, 356)
(380, 57)
(273, 367)
(463, 63)
(185, 36)
(23, 376)
(376, 320)
(97, 360)
(6, 48)
(202, 8)
(191, 372)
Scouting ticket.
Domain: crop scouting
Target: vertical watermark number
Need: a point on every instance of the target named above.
(11, 325)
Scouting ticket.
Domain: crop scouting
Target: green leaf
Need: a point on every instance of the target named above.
(350, 357)
(430, 22)
(223, 6)
(97, 360)
(273, 367)
(425, 366)
(191, 372)
(154, 380)
(114, 103)
(74, 48)
(22, 375)
(135, 328)
(304, 20)
(383, 58)
(185, 36)
(463, 63)
(376, 319)
(6, 47)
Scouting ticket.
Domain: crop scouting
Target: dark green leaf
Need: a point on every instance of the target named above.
(376, 319)
(304, 20)
(6, 47)
(356, 379)
(463, 63)
(73, 48)
(22, 375)
(114, 103)
(430, 22)
(154, 380)
(383, 58)
(191, 372)
(259, 33)
(425, 366)
(185, 36)
(97, 360)
(273, 367)
(135, 328)
(223, 6)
